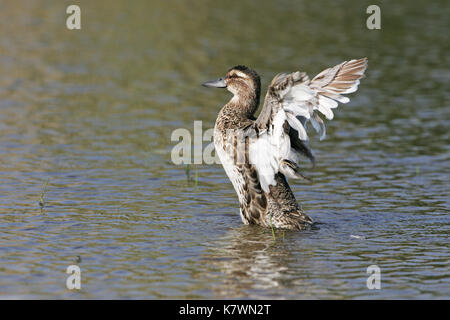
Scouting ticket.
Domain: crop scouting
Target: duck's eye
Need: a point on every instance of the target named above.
(233, 76)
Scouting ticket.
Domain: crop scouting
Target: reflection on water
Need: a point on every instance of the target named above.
(92, 111)
(247, 260)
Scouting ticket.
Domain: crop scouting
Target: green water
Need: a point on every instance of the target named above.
(92, 112)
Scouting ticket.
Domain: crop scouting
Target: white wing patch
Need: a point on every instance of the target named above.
(323, 93)
(300, 100)
(268, 149)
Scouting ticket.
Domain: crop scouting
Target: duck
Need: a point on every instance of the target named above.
(259, 154)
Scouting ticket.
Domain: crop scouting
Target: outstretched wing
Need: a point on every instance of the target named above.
(291, 101)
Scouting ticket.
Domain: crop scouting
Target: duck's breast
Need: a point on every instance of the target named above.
(231, 169)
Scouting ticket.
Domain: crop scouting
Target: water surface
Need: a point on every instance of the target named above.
(92, 112)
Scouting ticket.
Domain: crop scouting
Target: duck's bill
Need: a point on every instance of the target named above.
(219, 83)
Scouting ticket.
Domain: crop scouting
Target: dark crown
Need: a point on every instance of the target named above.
(251, 73)
(240, 67)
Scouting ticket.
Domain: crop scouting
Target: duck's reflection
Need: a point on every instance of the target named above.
(248, 257)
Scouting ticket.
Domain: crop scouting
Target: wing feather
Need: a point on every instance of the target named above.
(292, 100)
(297, 125)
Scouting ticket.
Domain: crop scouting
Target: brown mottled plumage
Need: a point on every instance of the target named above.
(258, 154)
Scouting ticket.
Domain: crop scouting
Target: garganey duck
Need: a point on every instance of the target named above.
(258, 154)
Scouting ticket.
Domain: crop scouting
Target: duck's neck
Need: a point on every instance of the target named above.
(244, 104)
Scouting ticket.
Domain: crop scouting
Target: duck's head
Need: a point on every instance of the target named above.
(242, 82)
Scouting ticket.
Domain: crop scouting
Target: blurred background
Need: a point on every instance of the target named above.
(85, 123)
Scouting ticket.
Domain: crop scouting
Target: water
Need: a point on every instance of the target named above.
(92, 111)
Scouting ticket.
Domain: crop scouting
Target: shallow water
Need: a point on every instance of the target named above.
(92, 112)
